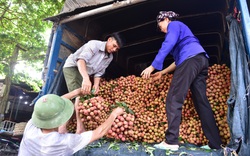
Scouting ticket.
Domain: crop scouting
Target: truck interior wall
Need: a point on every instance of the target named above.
(137, 24)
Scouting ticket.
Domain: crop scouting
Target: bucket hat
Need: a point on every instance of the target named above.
(51, 111)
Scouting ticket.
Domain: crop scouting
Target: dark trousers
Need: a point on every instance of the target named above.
(192, 73)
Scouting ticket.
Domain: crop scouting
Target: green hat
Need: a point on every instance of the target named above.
(51, 111)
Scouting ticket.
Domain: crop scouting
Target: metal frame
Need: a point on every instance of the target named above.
(246, 23)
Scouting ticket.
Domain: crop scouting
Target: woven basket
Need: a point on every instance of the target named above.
(19, 128)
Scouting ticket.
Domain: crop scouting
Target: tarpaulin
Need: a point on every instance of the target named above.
(238, 102)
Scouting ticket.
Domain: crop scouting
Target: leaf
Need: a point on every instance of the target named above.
(95, 145)
(148, 149)
(130, 111)
(22, 24)
(193, 149)
(182, 153)
(114, 146)
(124, 105)
(168, 152)
(133, 146)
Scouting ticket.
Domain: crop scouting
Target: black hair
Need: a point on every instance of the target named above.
(118, 37)
(166, 14)
(172, 18)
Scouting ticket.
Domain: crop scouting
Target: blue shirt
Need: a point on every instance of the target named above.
(179, 42)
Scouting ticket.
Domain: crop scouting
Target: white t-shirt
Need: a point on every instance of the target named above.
(35, 143)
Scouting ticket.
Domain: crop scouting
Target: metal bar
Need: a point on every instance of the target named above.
(101, 10)
(246, 23)
(76, 34)
(59, 60)
(54, 52)
(68, 46)
(186, 16)
(139, 55)
(182, 17)
(19, 101)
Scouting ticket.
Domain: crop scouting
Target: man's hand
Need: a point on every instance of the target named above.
(146, 72)
(86, 86)
(118, 111)
(96, 89)
(156, 76)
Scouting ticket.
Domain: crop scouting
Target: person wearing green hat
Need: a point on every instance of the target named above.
(41, 136)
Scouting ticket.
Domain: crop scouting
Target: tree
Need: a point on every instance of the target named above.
(21, 29)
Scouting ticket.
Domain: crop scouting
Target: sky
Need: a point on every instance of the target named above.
(32, 72)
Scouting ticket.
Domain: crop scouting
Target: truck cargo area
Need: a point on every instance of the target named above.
(138, 26)
(80, 21)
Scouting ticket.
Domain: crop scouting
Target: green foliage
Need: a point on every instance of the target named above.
(25, 78)
(21, 22)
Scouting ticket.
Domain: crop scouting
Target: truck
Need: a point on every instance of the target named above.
(80, 21)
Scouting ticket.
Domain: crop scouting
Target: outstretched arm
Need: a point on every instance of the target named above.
(167, 70)
(72, 94)
(79, 124)
(103, 128)
(96, 84)
(86, 83)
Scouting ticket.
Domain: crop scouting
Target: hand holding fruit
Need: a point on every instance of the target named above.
(118, 111)
(86, 86)
(95, 89)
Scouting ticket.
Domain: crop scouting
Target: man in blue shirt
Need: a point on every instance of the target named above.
(191, 70)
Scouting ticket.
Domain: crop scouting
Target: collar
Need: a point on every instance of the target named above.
(103, 45)
(102, 48)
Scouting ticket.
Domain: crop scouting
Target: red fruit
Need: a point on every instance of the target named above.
(110, 131)
(122, 129)
(97, 118)
(88, 117)
(120, 136)
(119, 124)
(85, 112)
(128, 118)
(121, 118)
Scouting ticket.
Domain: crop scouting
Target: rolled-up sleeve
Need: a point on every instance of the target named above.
(87, 52)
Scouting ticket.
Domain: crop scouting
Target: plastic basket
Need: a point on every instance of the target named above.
(7, 127)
